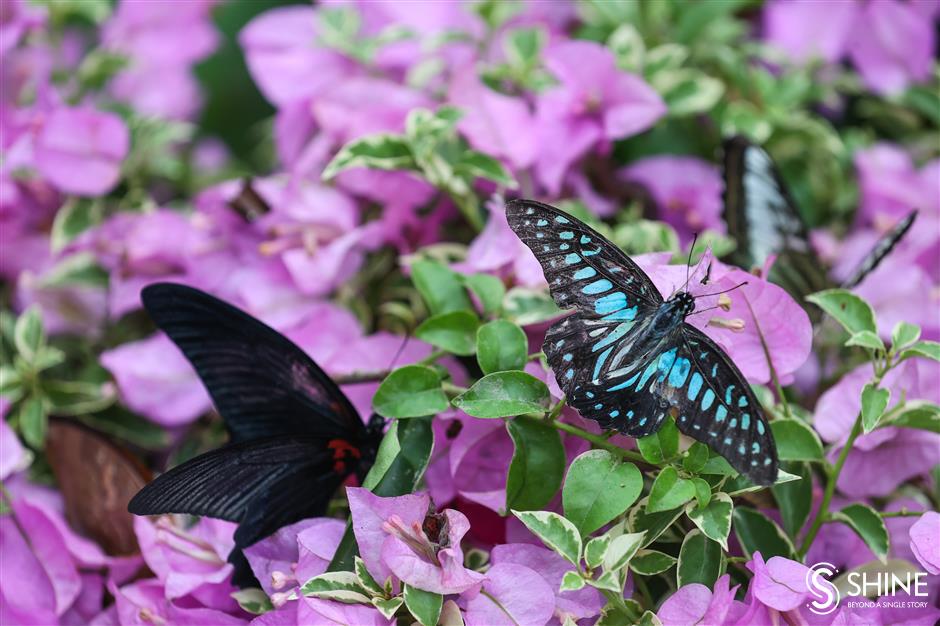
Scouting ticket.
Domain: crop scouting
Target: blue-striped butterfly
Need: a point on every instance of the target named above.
(294, 436)
(626, 357)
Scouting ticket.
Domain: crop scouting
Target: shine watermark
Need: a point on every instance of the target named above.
(858, 585)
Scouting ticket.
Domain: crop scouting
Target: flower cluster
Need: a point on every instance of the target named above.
(346, 185)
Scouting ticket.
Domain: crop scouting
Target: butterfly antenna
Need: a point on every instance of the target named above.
(718, 293)
(711, 308)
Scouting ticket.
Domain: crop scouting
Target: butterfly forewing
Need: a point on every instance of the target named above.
(261, 383)
(882, 248)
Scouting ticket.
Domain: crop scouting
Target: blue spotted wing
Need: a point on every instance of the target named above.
(626, 359)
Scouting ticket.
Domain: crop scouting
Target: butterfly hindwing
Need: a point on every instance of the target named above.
(882, 248)
(260, 382)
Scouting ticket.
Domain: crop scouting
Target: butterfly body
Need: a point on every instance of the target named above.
(626, 358)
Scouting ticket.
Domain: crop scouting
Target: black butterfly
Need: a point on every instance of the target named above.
(294, 436)
(764, 221)
(626, 358)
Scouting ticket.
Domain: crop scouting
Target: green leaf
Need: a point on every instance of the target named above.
(523, 46)
(662, 445)
(653, 524)
(689, 91)
(75, 269)
(740, 485)
(796, 440)
(504, 394)
(868, 525)
(488, 289)
(669, 491)
(845, 307)
(555, 532)
(598, 488)
(595, 549)
(538, 463)
(253, 600)
(926, 349)
(501, 346)
(651, 562)
(11, 383)
(366, 581)
(450, 615)
(571, 581)
(669, 56)
(627, 45)
(455, 332)
(649, 619)
(714, 520)
(28, 333)
(440, 286)
(874, 403)
(916, 414)
(622, 549)
(703, 491)
(410, 391)
(866, 339)
(529, 306)
(758, 533)
(379, 152)
(478, 165)
(700, 560)
(339, 586)
(73, 397)
(400, 463)
(904, 334)
(425, 606)
(33, 421)
(388, 607)
(795, 499)
(696, 457)
(75, 217)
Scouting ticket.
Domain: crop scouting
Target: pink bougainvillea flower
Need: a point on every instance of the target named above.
(362, 106)
(80, 150)
(891, 186)
(806, 30)
(583, 603)
(687, 191)
(697, 604)
(925, 541)
(13, 456)
(329, 613)
(494, 123)
(156, 380)
(162, 33)
(400, 536)
(886, 457)
(594, 102)
(892, 46)
(144, 603)
(283, 58)
(497, 250)
(779, 583)
(511, 595)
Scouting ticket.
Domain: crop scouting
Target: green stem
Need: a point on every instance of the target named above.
(377, 376)
(901, 513)
(451, 389)
(823, 513)
(644, 592)
(597, 440)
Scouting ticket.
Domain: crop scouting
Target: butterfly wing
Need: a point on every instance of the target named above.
(882, 248)
(261, 383)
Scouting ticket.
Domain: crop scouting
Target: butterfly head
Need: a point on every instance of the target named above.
(684, 302)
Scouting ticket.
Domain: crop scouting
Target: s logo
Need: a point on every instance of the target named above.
(821, 588)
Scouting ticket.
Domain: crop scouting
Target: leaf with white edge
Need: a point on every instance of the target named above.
(571, 581)
(425, 606)
(851, 311)
(504, 394)
(639, 519)
(478, 165)
(700, 560)
(74, 217)
(80, 269)
(796, 440)
(555, 532)
(651, 562)
(669, 491)
(454, 332)
(795, 499)
(703, 491)
(598, 488)
(28, 333)
(741, 485)
(622, 549)
(649, 619)
(866, 339)
(868, 525)
(915, 414)
(253, 600)
(451, 615)
(627, 45)
(379, 152)
(34, 421)
(926, 349)
(595, 549)
(904, 334)
(608, 581)
(339, 586)
(689, 91)
(410, 391)
(366, 581)
(388, 606)
(758, 533)
(501, 346)
(874, 403)
(714, 520)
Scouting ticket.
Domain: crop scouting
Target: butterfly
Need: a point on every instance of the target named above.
(97, 478)
(294, 437)
(626, 358)
(764, 221)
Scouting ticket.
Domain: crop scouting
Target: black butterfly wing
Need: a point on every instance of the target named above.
(764, 221)
(261, 383)
(882, 248)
